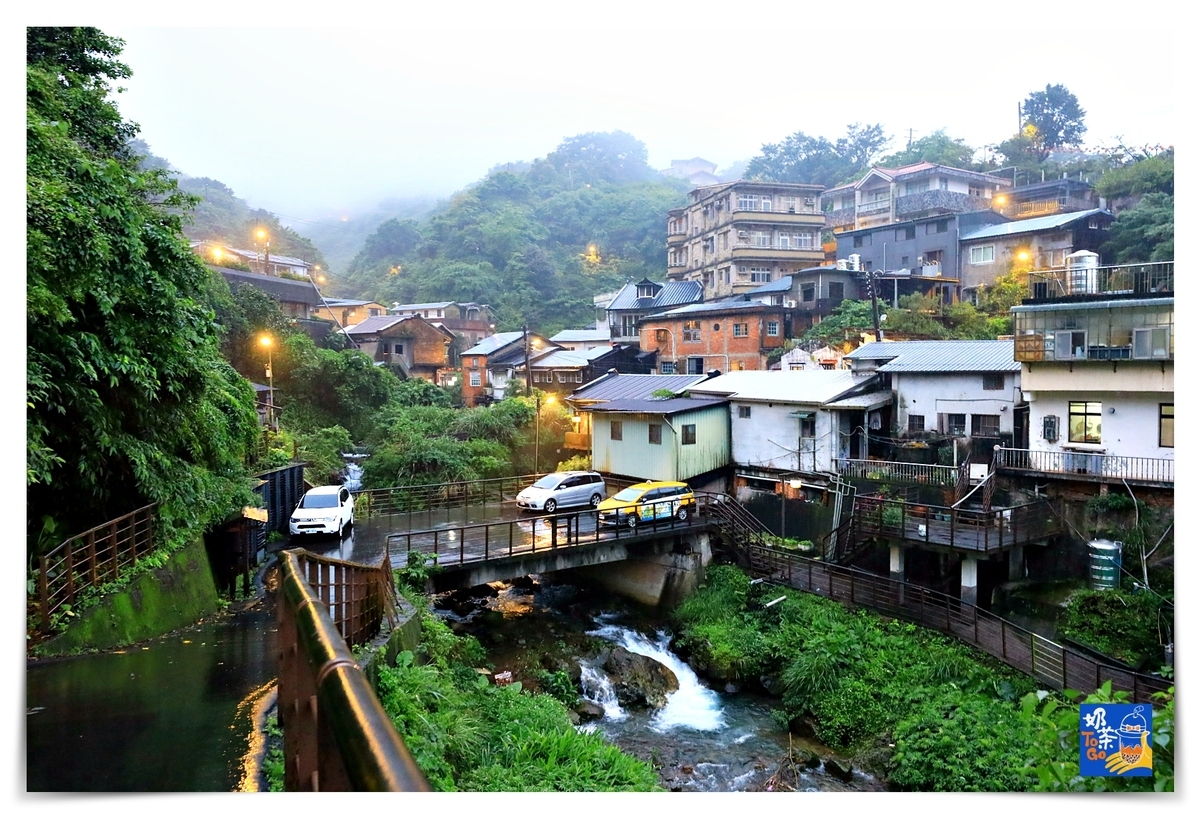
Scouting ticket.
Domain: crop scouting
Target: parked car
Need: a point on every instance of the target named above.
(562, 489)
(323, 510)
(644, 502)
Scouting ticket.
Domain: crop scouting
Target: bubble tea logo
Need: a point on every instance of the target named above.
(1114, 740)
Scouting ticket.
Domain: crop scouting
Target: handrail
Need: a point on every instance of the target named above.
(92, 558)
(1053, 664)
(969, 529)
(459, 494)
(895, 470)
(1087, 464)
(359, 598)
(336, 734)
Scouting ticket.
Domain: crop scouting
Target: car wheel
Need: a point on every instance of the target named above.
(596, 498)
(632, 520)
(550, 506)
(682, 514)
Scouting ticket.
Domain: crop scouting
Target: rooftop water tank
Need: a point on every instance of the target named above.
(1082, 272)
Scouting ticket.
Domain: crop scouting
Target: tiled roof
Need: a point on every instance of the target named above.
(1031, 225)
(673, 293)
(796, 386)
(633, 387)
(940, 356)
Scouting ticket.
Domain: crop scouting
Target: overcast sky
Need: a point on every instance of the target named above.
(318, 122)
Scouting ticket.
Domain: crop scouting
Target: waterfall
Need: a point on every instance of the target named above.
(598, 689)
(693, 705)
(352, 474)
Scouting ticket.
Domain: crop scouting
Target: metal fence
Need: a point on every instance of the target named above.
(336, 735)
(971, 529)
(895, 471)
(359, 598)
(92, 558)
(1087, 465)
(1052, 664)
(430, 497)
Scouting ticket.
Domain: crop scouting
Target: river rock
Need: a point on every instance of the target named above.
(639, 680)
(731, 687)
(839, 769)
(587, 711)
(802, 727)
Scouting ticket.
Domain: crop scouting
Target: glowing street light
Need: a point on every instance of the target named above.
(269, 343)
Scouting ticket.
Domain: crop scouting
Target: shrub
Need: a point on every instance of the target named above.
(849, 715)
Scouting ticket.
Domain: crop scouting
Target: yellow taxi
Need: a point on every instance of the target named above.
(646, 502)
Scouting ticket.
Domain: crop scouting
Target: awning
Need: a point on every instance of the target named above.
(871, 400)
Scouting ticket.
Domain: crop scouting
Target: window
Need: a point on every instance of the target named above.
(1166, 425)
(741, 330)
(789, 204)
(760, 238)
(837, 291)
(916, 423)
(614, 430)
(695, 366)
(385, 347)
(993, 381)
(716, 327)
(656, 434)
(933, 256)
(906, 233)
(1070, 344)
(984, 254)
(956, 424)
(760, 275)
(725, 240)
(579, 376)
(916, 187)
(858, 241)
(747, 202)
(985, 425)
(475, 380)
(743, 411)
(974, 190)
(1151, 343)
(691, 330)
(1083, 421)
(772, 329)
(808, 425)
(399, 349)
(668, 367)
(943, 184)
(688, 430)
(904, 262)
(808, 292)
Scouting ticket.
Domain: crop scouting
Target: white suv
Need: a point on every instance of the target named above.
(323, 510)
(562, 489)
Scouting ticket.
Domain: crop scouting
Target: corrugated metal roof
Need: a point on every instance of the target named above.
(493, 342)
(1104, 304)
(779, 285)
(613, 387)
(429, 305)
(376, 323)
(940, 356)
(286, 289)
(670, 406)
(672, 294)
(566, 358)
(738, 304)
(815, 386)
(1031, 225)
(868, 400)
(580, 335)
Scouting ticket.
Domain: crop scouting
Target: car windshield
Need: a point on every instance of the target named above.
(628, 494)
(319, 501)
(547, 482)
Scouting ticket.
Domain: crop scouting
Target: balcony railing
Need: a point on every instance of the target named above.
(897, 472)
(1086, 465)
(877, 206)
(1118, 279)
(810, 247)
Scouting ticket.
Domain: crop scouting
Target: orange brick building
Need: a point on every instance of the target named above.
(724, 335)
(408, 344)
(488, 366)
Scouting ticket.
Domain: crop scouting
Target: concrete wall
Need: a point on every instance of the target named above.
(658, 579)
(1130, 429)
(953, 393)
(770, 438)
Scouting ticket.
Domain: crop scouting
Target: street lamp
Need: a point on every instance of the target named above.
(537, 431)
(266, 341)
(261, 235)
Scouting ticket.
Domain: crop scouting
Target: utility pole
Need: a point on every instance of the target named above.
(528, 373)
(873, 282)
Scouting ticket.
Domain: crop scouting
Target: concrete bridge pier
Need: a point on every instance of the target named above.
(896, 561)
(655, 579)
(969, 591)
(1016, 563)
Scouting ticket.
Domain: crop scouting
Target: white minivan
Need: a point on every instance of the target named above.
(562, 489)
(323, 510)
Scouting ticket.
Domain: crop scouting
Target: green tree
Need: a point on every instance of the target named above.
(847, 320)
(937, 147)
(1154, 174)
(129, 401)
(815, 160)
(1056, 118)
(1145, 232)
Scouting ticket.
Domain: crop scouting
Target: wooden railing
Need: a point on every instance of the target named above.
(967, 529)
(1052, 664)
(336, 734)
(892, 471)
(96, 556)
(1086, 465)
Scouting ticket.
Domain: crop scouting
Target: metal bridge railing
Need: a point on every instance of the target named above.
(336, 735)
(1049, 662)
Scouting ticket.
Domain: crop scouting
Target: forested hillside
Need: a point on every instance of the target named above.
(536, 244)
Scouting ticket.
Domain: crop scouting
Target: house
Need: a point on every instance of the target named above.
(733, 237)
(470, 323)
(1039, 243)
(1047, 198)
(297, 299)
(824, 357)
(635, 301)
(616, 386)
(346, 312)
(409, 345)
(1096, 346)
(562, 371)
(489, 365)
(797, 422)
(923, 189)
(685, 439)
(921, 247)
(581, 340)
(263, 262)
(696, 171)
(726, 335)
(955, 389)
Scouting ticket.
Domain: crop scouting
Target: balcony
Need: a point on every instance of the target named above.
(1155, 278)
(1099, 468)
(877, 206)
(620, 333)
(1105, 330)
(750, 251)
(810, 216)
(674, 239)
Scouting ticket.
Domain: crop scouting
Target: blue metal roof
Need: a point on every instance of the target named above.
(670, 406)
(940, 356)
(1031, 225)
(615, 386)
(735, 304)
(494, 342)
(779, 285)
(673, 293)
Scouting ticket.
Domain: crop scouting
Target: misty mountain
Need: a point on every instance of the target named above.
(341, 239)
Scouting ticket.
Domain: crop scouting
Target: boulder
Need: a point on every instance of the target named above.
(639, 680)
(839, 769)
(587, 711)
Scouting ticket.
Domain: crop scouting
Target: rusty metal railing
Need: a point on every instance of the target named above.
(92, 558)
(336, 735)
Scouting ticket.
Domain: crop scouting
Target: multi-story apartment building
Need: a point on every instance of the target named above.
(734, 237)
(1097, 352)
(727, 336)
(887, 195)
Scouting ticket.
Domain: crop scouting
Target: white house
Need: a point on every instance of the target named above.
(956, 388)
(798, 421)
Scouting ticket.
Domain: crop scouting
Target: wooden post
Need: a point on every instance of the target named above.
(70, 569)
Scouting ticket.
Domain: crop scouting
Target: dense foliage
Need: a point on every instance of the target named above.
(1145, 232)
(129, 400)
(1121, 624)
(814, 160)
(958, 719)
(467, 735)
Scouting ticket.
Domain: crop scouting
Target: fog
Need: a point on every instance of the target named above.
(321, 123)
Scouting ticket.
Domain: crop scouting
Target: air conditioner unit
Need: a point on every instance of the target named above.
(1050, 428)
(790, 303)
(742, 234)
